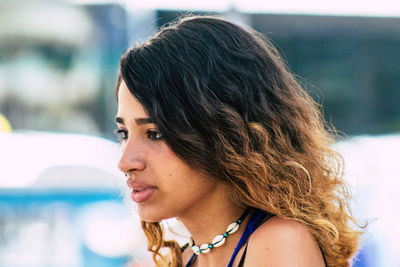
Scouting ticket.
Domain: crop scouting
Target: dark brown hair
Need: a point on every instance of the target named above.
(228, 106)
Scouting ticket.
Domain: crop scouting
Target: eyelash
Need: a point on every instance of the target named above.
(151, 134)
(154, 135)
(121, 134)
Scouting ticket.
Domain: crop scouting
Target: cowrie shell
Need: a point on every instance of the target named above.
(204, 248)
(218, 241)
(233, 227)
(196, 250)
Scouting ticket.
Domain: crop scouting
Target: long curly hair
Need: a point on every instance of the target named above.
(228, 106)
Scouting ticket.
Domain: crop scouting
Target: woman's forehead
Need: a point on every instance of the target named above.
(128, 105)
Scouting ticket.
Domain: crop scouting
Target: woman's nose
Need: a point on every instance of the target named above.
(132, 159)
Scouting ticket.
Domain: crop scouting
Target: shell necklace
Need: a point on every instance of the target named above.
(219, 240)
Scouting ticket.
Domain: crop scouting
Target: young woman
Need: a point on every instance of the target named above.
(217, 133)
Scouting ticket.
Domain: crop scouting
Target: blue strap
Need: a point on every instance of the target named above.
(191, 260)
(256, 219)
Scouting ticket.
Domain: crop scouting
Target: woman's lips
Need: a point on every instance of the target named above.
(141, 192)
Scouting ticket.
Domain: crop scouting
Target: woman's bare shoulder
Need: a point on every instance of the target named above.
(282, 242)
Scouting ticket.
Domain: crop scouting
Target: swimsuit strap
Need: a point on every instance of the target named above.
(242, 259)
(257, 218)
(191, 260)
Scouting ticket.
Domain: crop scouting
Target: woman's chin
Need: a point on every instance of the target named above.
(151, 215)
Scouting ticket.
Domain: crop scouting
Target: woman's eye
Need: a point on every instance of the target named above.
(154, 135)
(121, 134)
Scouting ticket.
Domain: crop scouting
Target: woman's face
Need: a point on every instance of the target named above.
(162, 185)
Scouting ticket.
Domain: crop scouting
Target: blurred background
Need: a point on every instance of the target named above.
(61, 195)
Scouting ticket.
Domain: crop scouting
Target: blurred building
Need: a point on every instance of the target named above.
(58, 64)
(59, 61)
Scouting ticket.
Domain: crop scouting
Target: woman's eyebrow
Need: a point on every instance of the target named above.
(139, 121)
(119, 120)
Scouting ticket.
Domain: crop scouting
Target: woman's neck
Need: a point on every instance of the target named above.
(209, 219)
(204, 226)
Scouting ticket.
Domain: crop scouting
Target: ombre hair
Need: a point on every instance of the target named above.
(229, 107)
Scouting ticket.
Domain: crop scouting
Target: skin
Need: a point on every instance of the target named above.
(199, 202)
(280, 243)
